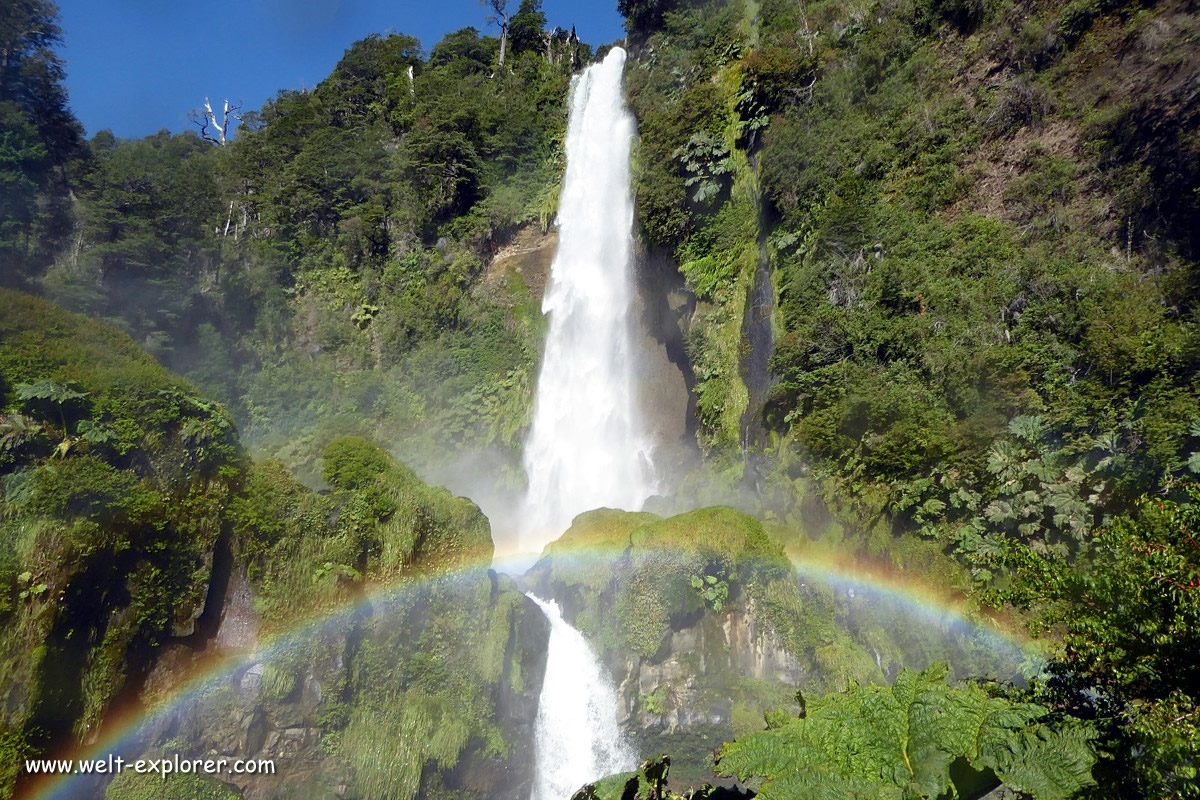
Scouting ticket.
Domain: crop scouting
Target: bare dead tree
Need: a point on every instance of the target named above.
(216, 128)
(501, 19)
(208, 118)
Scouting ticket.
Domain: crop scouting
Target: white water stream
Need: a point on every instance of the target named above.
(588, 445)
(577, 736)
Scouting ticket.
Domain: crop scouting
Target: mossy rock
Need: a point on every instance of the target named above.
(721, 529)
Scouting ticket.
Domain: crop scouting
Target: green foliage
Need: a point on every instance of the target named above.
(38, 137)
(706, 161)
(106, 535)
(712, 590)
(129, 785)
(643, 17)
(351, 462)
(901, 742)
(647, 782)
(526, 28)
(321, 272)
(1128, 617)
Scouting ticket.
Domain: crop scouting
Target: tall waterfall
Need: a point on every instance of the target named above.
(588, 446)
(577, 737)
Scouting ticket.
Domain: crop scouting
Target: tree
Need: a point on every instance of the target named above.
(464, 49)
(208, 117)
(373, 81)
(644, 17)
(37, 134)
(526, 30)
(501, 18)
(31, 73)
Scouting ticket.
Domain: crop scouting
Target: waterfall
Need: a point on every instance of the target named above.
(588, 446)
(577, 738)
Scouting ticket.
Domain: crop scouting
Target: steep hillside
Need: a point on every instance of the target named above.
(965, 235)
(140, 545)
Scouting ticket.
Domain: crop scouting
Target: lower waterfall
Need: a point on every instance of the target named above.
(577, 738)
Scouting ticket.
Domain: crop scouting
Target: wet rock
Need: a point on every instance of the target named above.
(251, 682)
(239, 624)
(254, 728)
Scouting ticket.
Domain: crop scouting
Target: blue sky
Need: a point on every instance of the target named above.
(137, 66)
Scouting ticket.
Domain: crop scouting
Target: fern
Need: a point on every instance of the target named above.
(900, 742)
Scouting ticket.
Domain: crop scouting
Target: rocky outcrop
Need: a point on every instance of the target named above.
(291, 703)
(684, 686)
(526, 258)
(691, 669)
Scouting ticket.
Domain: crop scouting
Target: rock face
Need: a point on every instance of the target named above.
(292, 703)
(686, 693)
(527, 257)
(691, 669)
(757, 650)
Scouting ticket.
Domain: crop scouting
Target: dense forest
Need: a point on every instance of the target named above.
(938, 262)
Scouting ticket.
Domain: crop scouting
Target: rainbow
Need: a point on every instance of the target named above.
(938, 608)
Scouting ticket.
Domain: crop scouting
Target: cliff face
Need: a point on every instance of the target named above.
(685, 698)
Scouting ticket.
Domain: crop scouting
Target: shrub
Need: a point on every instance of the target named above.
(352, 462)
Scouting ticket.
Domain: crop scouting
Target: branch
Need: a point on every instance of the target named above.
(201, 122)
(220, 125)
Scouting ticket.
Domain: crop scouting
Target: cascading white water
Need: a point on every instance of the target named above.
(588, 446)
(577, 736)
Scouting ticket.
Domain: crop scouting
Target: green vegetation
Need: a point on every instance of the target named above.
(131, 786)
(39, 139)
(109, 543)
(321, 273)
(976, 224)
(918, 739)
(1129, 620)
(114, 476)
(983, 257)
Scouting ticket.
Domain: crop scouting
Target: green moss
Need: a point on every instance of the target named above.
(723, 530)
(128, 785)
(584, 555)
(656, 701)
